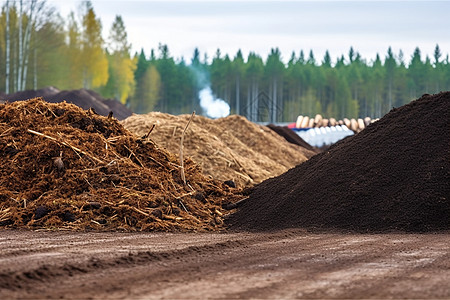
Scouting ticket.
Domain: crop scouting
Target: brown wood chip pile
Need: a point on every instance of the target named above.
(230, 148)
(62, 167)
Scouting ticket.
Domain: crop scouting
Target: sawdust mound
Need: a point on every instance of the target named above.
(83, 98)
(64, 167)
(394, 175)
(230, 148)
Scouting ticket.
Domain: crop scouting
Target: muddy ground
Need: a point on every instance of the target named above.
(284, 264)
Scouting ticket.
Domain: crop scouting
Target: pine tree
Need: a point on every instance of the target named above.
(238, 69)
(390, 66)
(301, 58)
(294, 81)
(328, 91)
(254, 72)
(351, 55)
(326, 63)
(187, 88)
(311, 60)
(376, 83)
(401, 96)
(416, 74)
(437, 55)
(437, 73)
(166, 67)
(222, 76)
(354, 76)
(274, 71)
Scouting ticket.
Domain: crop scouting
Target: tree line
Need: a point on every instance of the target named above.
(39, 48)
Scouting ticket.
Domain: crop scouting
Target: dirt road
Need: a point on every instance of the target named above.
(287, 264)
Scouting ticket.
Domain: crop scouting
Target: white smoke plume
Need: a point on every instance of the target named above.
(213, 107)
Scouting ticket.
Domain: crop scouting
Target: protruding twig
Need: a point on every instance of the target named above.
(231, 206)
(148, 133)
(52, 112)
(92, 111)
(174, 130)
(182, 204)
(135, 156)
(183, 177)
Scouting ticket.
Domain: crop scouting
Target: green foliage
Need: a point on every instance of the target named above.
(148, 92)
(93, 57)
(309, 103)
(121, 81)
(71, 54)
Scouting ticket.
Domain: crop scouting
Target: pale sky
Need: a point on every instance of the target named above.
(369, 26)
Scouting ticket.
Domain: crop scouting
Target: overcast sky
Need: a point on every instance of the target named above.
(369, 26)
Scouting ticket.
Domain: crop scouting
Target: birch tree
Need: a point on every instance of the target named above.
(27, 16)
(94, 62)
(149, 94)
(121, 79)
(8, 45)
(20, 27)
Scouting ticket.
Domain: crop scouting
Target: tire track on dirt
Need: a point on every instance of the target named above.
(289, 264)
(58, 267)
(386, 271)
(47, 272)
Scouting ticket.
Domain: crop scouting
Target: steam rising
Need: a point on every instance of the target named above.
(213, 107)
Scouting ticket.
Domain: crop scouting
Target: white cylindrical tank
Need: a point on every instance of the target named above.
(305, 122)
(354, 125)
(318, 120)
(332, 122)
(361, 124)
(299, 121)
(347, 122)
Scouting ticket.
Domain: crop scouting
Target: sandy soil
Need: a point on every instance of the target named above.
(286, 264)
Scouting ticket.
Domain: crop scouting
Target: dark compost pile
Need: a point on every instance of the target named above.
(64, 167)
(392, 176)
(83, 98)
(290, 136)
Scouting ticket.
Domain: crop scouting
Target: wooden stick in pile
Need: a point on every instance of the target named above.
(66, 144)
(145, 136)
(183, 177)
